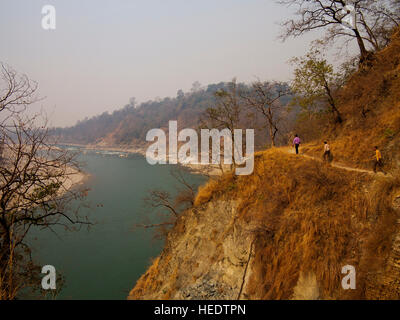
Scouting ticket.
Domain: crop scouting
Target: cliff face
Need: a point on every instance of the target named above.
(287, 230)
(290, 229)
(205, 257)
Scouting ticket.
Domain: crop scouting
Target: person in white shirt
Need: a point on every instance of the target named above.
(327, 151)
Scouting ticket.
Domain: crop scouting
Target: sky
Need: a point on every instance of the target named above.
(103, 52)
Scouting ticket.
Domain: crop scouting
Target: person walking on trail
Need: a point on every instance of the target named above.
(327, 151)
(296, 143)
(378, 160)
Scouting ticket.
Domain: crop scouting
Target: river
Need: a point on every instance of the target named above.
(105, 261)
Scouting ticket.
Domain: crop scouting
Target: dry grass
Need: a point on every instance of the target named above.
(370, 103)
(9, 286)
(148, 281)
(311, 218)
(314, 219)
(214, 187)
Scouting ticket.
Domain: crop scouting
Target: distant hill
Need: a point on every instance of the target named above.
(129, 125)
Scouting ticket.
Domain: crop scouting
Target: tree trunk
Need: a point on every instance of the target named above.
(4, 246)
(272, 127)
(272, 135)
(361, 45)
(331, 100)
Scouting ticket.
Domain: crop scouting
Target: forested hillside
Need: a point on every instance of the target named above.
(129, 125)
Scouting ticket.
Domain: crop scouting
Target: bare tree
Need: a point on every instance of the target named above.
(227, 109)
(16, 93)
(264, 98)
(372, 21)
(34, 179)
(187, 194)
(166, 206)
(225, 114)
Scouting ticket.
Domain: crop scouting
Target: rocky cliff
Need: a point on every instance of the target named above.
(283, 233)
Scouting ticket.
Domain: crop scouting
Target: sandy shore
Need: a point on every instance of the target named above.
(208, 170)
(74, 178)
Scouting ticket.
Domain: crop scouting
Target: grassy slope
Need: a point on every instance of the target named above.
(377, 91)
(309, 217)
(313, 218)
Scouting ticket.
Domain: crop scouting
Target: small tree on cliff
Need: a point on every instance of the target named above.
(167, 206)
(226, 113)
(315, 84)
(264, 99)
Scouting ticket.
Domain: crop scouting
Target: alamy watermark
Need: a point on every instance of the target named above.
(349, 281)
(188, 153)
(49, 280)
(349, 16)
(49, 17)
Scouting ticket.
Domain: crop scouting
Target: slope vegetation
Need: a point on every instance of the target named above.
(287, 230)
(370, 103)
(293, 219)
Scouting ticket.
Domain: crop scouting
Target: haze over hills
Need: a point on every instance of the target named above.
(309, 209)
(129, 125)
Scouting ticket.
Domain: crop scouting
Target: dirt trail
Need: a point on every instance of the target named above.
(336, 165)
(390, 277)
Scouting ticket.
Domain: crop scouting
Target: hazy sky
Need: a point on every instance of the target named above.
(105, 51)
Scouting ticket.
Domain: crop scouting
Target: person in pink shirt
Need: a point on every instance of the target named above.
(296, 143)
(327, 151)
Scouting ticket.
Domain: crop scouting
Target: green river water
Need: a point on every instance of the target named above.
(106, 261)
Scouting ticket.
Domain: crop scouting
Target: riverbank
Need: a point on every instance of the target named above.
(74, 178)
(208, 170)
(69, 177)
